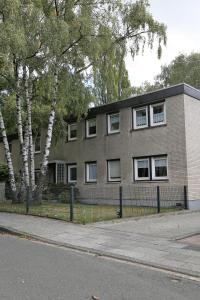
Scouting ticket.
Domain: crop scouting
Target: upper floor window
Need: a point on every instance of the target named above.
(72, 173)
(113, 123)
(114, 170)
(37, 144)
(91, 128)
(140, 117)
(91, 172)
(72, 132)
(158, 114)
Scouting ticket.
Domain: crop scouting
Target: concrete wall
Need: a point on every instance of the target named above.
(192, 125)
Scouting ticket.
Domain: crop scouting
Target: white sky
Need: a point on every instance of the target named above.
(182, 18)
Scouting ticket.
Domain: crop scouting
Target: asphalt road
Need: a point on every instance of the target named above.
(32, 270)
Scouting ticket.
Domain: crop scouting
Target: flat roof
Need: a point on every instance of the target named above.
(146, 98)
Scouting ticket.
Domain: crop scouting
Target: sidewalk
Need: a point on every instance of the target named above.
(153, 241)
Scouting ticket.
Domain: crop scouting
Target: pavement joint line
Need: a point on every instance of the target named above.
(175, 271)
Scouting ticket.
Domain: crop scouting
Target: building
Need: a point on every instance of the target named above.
(146, 140)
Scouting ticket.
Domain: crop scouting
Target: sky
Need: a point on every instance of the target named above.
(182, 18)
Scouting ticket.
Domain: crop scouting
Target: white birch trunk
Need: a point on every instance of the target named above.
(28, 94)
(8, 158)
(44, 164)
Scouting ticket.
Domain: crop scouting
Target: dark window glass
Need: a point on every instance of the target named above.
(73, 174)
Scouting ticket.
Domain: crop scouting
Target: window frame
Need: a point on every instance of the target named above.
(37, 137)
(87, 179)
(88, 135)
(59, 164)
(118, 179)
(153, 158)
(70, 166)
(135, 126)
(152, 124)
(136, 177)
(69, 132)
(109, 123)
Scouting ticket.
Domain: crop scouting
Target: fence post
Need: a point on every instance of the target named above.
(120, 203)
(27, 199)
(185, 197)
(72, 203)
(158, 199)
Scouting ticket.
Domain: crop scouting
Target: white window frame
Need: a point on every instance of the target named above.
(88, 180)
(135, 126)
(109, 123)
(118, 179)
(153, 167)
(63, 172)
(88, 127)
(136, 160)
(151, 114)
(68, 173)
(69, 132)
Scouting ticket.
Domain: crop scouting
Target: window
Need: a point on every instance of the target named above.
(158, 115)
(91, 127)
(113, 123)
(140, 117)
(114, 170)
(159, 168)
(72, 173)
(91, 172)
(72, 132)
(141, 167)
(60, 173)
(38, 144)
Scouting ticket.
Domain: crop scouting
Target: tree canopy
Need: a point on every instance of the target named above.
(183, 69)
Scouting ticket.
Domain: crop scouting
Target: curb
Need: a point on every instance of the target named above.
(178, 272)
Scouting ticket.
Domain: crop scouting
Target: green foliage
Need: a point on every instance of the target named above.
(3, 172)
(182, 69)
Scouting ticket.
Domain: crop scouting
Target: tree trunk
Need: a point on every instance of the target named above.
(28, 95)
(44, 164)
(8, 160)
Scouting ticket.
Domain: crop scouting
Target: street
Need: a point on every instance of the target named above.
(33, 270)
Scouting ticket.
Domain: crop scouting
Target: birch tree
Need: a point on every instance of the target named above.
(50, 37)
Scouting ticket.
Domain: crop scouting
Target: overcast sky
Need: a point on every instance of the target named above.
(182, 18)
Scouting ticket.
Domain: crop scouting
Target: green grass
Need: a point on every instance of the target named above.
(83, 213)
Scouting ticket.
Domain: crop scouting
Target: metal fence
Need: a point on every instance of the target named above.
(93, 203)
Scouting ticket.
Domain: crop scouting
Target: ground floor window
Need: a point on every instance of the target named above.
(72, 173)
(91, 171)
(114, 170)
(151, 168)
(141, 167)
(60, 173)
(159, 167)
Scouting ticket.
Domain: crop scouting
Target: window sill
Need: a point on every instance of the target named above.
(112, 133)
(152, 180)
(90, 182)
(115, 182)
(90, 137)
(149, 127)
(37, 152)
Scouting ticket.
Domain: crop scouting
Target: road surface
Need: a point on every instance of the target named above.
(31, 270)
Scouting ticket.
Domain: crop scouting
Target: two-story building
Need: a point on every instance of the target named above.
(146, 140)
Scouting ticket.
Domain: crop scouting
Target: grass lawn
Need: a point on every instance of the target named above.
(83, 213)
